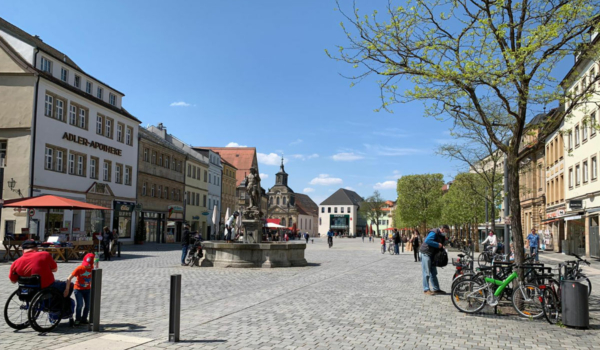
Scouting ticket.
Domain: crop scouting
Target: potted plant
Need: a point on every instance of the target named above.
(140, 235)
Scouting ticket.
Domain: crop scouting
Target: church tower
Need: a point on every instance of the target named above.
(281, 176)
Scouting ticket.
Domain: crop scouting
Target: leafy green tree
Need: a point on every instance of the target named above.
(463, 203)
(372, 208)
(419, 200)
(487, 62)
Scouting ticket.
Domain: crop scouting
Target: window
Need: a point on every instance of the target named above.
(80, 166)
(167, 158)
(145, 154)
(159, 191)
(128, 134)
(153, 158)
(118, 173)
(585, 171)
(593, 124)
(194, 172)
(197, 199)
(277, 200)
(570, 140)
(106, 170)
(64, 74)
(204, 200)
(349, 210)
(120, 132)
(577, 175)
(342, 210)
(205, 172)
(584, 132)
(59, 161)
(77, 82)
(188, 197)
(166, 192)
(335, 210)
(9, 227)
(60, 104)
(128, 171)
(329, 210)
(49, 106)
(152, 191)
(46, 65)
(323, 210)
(594, 168)
(71, 163)
(82, 119)
(577, 136)
(72, 115)
(189, 170)
(284, 200)
(49, 156)
(173, 194)
(99, 92)
(108, 129)
(112, 99)
(144, 186)
(88, 87)
(209, 178)
(99, 124)
(93, 167)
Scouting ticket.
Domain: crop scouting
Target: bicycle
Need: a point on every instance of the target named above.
(471, 295)
(574, 272)
(487, 256)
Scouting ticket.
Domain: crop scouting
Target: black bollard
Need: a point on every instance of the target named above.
(175, 308)
(95, 298)
(119, 249)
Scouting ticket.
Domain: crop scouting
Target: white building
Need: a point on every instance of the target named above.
(66, 134)
(215, 175)
(339, 212)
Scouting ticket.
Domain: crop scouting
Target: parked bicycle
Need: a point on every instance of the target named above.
(487, 256)
(195, 253)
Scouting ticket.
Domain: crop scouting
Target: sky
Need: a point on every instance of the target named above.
(248, 73)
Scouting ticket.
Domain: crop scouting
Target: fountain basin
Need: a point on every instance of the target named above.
(252, 255)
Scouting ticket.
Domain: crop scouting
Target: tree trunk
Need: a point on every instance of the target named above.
(493, 213)
(515, 208)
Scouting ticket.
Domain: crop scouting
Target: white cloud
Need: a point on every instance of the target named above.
(393, 151)
(396, 175)
(314, 155)
(264, 176)
(269, 159)
(387, 185)
(349, 188)
(308, 190)
(234, 144)
(297, 142)
(325, 180)
(346, 157)
(180, 104)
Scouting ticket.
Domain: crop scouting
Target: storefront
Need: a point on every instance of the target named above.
(174, 223)
(339, 223)
(154, 226)
(553, 228)
(122, 218)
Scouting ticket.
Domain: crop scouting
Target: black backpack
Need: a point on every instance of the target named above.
(440, 259)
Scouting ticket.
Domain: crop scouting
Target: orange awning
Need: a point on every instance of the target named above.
(48, 201)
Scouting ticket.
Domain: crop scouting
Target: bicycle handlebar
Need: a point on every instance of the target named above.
(580, 259)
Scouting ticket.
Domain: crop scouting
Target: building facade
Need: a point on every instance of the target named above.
(161, 188)
(553, 225)
(215, 176)
(228, 189)
(74, 140)
(339, 212)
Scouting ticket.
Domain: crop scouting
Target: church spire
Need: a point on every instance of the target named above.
(282, 170)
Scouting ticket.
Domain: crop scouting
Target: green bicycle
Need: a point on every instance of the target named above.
(471, 295)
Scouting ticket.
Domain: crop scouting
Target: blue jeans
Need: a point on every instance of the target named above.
(184, 250)
(534, 250)
(83, 297)
(429, 272)
(396, 248)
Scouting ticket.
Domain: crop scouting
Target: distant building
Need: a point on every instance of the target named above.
(339, 212)
(215, 176)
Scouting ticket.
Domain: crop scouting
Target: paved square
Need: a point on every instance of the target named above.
(350, 297)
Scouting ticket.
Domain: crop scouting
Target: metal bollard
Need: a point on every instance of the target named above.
(175, 308)
(95, 298)
(119, 249)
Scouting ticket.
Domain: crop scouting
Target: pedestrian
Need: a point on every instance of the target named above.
(416, 242)
(286, 237)
(433, 243)
(185, 242)
(397, 239)
(408, 238)
(229, 225)
(115, 242)
(83, 285)
(383, 243)
(306, 236)
(107, 238)
(534, 240)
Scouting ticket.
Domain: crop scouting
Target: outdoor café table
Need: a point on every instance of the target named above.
(58, 253)
(13, 249)
(80, 246)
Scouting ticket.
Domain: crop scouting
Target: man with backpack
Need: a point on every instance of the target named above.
(397, 239)
(434, 244)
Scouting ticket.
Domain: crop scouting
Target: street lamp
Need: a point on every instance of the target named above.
(288, 218)
(11, 184)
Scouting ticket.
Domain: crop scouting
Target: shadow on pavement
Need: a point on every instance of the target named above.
(203, 341)
(122, 327)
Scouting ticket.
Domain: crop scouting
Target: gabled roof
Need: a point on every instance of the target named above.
(241, 158)
(306, 204)
(148, 135)
(343, 197)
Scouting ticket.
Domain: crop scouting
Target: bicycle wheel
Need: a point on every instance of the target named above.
(46, 310)
(527, 301)
(391, 250)
(469, 296)
(15, 312)
(189, 258)
(483, 260)
(551, 306)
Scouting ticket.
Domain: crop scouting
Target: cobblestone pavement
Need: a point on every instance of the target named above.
(350, 297)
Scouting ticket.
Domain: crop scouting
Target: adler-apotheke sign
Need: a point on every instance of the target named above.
(83, 141)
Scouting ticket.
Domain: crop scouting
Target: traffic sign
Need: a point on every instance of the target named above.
(31, 212)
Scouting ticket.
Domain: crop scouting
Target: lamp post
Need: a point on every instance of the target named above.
(288, 218)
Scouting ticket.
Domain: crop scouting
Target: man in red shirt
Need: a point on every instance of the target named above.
(34, 262)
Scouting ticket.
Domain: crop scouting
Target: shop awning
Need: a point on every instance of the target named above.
(49, 201)
(274, 221)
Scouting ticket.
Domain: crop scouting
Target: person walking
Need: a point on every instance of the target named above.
(115, 242)
(229, 226)
(397, 239)
(416, 242)
(107, 238)
(534, 241)
(185, 243)
(363, 236)
(433, 243)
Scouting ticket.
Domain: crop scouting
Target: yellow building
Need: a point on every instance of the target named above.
(229, 183)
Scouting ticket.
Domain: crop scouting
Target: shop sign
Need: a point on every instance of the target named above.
(206, 213)
(83, 141)
(175, 212)
(576, 204)
(576, 217)
(138, 207)
(555, 214)
(196, 217)
(124, 206)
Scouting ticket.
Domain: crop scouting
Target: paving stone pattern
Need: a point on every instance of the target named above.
(350, 297)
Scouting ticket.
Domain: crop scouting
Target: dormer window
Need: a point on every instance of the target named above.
(112, 99)
(46, 65)
(64, 74)
(77, 82)
(88, 87)
(99, 92)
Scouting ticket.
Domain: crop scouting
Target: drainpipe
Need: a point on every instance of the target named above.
(34, 132)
